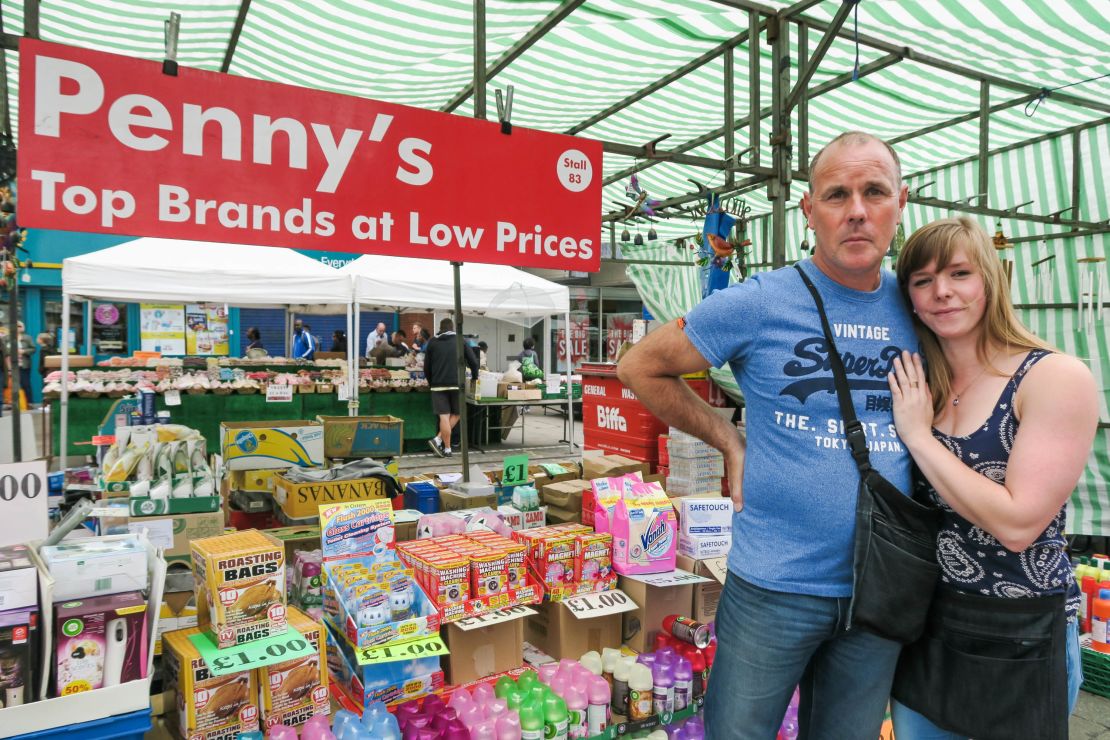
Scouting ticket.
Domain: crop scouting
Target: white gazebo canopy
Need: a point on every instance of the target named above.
(172, 270)
(494, 291)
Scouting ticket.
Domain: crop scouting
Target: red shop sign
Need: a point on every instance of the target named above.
(111, 144)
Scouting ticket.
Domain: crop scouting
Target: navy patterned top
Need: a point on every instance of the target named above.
(971, 559)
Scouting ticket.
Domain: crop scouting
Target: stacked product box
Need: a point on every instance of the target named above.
(694, 468)
(705, 526)
(390, 683)
(468, 574)
(569, 559)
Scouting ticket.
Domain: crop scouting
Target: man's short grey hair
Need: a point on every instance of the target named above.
(857, 138)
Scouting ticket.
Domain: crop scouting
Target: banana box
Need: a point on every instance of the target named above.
(239, 580)
(207, 707)
(271, 445)
(293, 692)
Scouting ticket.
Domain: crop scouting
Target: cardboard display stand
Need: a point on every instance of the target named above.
(484, 650)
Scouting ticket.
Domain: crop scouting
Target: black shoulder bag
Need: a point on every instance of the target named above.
(894, 564)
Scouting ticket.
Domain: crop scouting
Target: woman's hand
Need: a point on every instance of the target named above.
(912, 400)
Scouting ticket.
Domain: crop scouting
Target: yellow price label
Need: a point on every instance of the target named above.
(424, 648)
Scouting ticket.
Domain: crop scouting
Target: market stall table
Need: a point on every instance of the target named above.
(205, 412)
(558, 403)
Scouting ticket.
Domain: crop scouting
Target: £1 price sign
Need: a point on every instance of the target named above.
(23, 495)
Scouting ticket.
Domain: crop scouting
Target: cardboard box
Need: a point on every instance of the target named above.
(609, 466)
(523, 519)
(706, 595)
(701, 547)
(392, 682)
(363, 436)
(404, 524)
(296, 538)
(566, 494)
(252, 480)
(265, 445)
(178, 612)
(504, 388)
(182, 528)
(303, 500)
(524, 394)
(555, 515)
(86, 568)
(704, 516)
(240, 585)
(557, 632)
(483, 650)
(453, 500)
(655, 603)
(54, 362)
(210, 706)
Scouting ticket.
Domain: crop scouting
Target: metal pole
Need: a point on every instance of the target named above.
(753, 85)
(460, 353)
(984, 142)
(803, 101)
(357, 355)
(779, 187)
(480, 59)
(88, 314)
(64, 419)
(1076, 174)
(570, 387)
(352, 363)
(730, 116)
(13, 354)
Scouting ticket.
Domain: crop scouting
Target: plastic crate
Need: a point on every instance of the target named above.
(423, 497)
(121, 726)
(1096, 671)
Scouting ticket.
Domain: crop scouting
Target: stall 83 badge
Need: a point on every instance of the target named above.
(574, 170)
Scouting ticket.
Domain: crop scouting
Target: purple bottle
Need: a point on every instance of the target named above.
(683, 684)
(662, 695)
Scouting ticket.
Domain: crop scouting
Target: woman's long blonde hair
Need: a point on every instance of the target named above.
(939, 241)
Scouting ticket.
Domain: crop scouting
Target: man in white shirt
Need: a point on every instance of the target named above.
(375, 338)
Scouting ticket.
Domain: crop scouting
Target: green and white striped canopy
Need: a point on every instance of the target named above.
(593, 54)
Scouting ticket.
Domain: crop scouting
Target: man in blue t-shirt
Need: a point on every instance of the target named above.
(781, 618)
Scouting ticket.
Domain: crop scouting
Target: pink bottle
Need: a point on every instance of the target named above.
(497, 707)
(483, 695)
(472, 715)
(281, 732)
(445, 717)
(508, 726)
(598, 695)
(484, 730)
(547, 671)
(460, 700)
(456, 731)
(576, 711)
(433, 704)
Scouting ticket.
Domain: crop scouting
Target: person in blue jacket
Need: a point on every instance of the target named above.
(304, 344)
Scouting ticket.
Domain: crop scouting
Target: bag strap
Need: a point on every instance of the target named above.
(853, 429)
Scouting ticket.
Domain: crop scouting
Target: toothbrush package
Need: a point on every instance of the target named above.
(100, 641)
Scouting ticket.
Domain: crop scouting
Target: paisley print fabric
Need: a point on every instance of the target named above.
(971, 559)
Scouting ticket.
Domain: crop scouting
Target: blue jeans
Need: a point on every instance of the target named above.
(769, 642)
(910, 725)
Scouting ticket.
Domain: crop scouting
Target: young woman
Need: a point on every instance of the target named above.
(1000, 427)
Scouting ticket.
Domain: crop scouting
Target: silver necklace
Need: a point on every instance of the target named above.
(956, 399)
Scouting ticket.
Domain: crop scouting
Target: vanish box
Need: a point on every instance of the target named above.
(645, 533)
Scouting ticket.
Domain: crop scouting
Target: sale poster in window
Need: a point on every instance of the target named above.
(206, 329)
(618, 330)
(162, 328)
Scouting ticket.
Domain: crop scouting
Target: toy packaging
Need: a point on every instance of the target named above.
(207, 707)
(100, 642)
(389, 683)
(18, 656)
(645, 533)
(292, 692)
(239, 580)
(356, 528)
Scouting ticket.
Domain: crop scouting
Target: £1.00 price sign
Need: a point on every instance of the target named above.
(289, 645)
(23, 494)
(423, 648)
(600, 604)
(495, 617)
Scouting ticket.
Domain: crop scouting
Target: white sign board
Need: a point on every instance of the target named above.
(675, 577)
(600, 604)
(501, 615)
(279, 393)
(23, 494)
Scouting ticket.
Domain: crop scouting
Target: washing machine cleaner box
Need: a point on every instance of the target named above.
(293, 692)
(100, 641)
(645, 533)
(239, 580)
(207, 707)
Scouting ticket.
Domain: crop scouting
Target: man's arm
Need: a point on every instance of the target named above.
(652, 369)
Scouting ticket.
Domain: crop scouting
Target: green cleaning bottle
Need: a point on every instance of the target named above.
(503, 686)
(556, 720)
(531, 721)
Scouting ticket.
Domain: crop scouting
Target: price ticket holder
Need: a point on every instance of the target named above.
(425, 647)
(289, 645)
(600, 604)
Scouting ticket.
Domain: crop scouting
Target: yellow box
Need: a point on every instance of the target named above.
(264, 445)
(297, 690)
(302, 500)
(207, 707)
(239, 580)
(252, 480)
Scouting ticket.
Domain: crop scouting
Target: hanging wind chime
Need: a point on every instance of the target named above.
(1092, 290)
(1000, 242)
